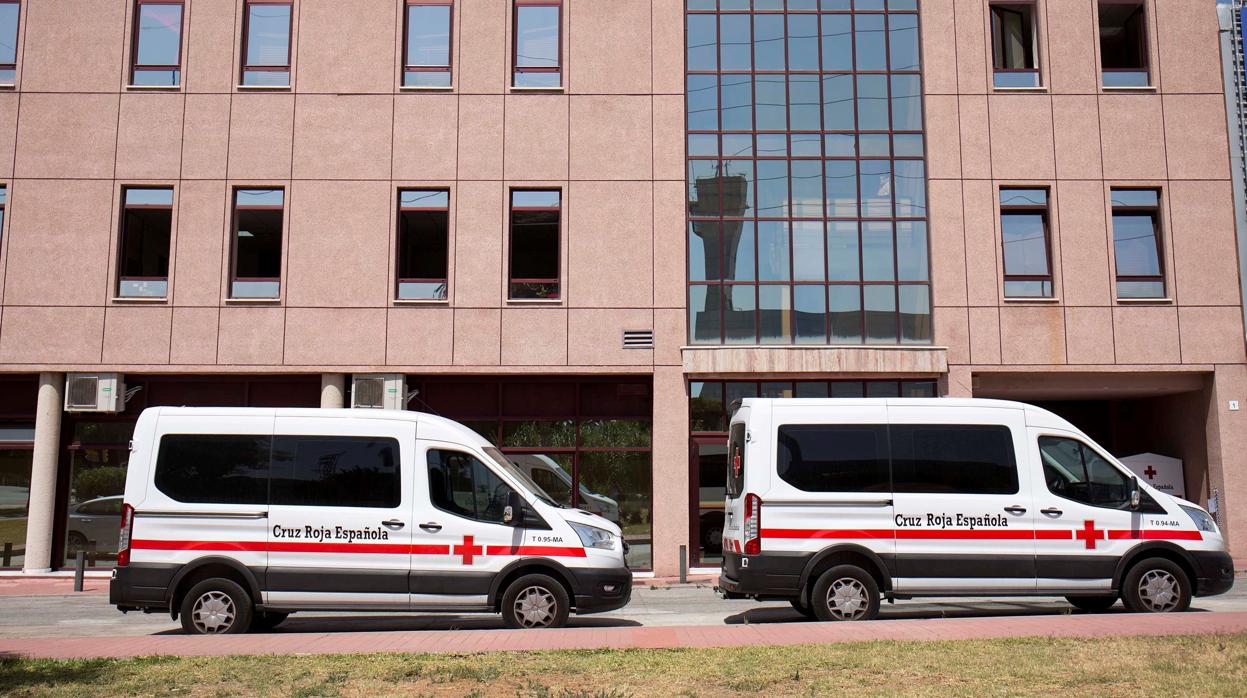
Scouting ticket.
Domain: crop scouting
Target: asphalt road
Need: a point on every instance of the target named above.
(90, 614)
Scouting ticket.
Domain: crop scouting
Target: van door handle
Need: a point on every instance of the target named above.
(431, 527)
(1051, 511)
(393, 524)
(1015, 509)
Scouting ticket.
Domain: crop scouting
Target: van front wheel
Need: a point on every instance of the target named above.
(845, 592)
(535, 601)
(1156, 585)
(216, 607)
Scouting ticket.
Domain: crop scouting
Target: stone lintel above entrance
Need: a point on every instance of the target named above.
(864, 360)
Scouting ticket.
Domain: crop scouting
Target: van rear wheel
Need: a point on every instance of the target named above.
(1156, 585)
(845, 592)
(535, 601)
(1092, 604)
(216, 607)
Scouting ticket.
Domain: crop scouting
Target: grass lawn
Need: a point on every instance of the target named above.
(1196, 665)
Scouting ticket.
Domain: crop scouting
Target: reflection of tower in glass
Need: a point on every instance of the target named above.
(725, 195)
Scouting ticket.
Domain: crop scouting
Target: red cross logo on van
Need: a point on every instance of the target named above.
(1150, 472)
(1089, 534)
(468, 550)
(736, 462)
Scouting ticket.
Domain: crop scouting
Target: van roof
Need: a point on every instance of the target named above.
(444, 426)
(1035, 416)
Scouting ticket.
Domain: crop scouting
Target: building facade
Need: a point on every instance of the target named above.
(584, 228)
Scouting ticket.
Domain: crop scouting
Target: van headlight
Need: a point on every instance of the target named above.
(1201, 518)
(594, 537)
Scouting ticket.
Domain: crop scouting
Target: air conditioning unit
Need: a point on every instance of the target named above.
(94, 392)
(379, 391)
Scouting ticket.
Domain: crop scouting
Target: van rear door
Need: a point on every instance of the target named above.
(734, 506)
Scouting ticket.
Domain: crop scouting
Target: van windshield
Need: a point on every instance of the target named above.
(519, 474)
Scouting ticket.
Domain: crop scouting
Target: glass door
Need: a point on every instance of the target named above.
(708, 489)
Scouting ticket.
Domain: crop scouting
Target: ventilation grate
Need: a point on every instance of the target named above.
(368, 392)
(83, 392)
(638, 339)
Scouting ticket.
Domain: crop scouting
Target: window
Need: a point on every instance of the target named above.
(1123, 44)
(423, 244)
(736, 460)
(257, 243)
(266, 43)
(537, 44)
(426, 53)
(462, 485)
(1024, 234)
(1014, 58)
(156, 53)
(819, 458)
(4, 201)
(953, 459)
(10, 13)
(146, 220)
(806, 174)
(336, 471)
(212, 469)
(535, 244)
(1136, 243)
(1075, 471)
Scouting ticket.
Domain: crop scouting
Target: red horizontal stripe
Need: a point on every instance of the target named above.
(1053, 534)
(1155, 534)
(357, 548)
(855, 533)
(966, 534)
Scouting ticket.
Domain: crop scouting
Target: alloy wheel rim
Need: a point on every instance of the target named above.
(1159, 591)
(847, 599)
(535, 607)
(213, 613)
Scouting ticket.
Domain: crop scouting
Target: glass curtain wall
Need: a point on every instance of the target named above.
(807, 198)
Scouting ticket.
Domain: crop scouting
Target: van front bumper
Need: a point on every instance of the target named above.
(1214, 572)
(599, 590)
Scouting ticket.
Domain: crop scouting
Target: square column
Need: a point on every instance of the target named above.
(670, 474)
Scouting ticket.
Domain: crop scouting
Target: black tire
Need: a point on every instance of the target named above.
(535, 601)
(802, 608)
(226, 608)
(76, 541)
(1092, 604)
(854, 590)
(264, 621)
(1156, 585)
(712, 534)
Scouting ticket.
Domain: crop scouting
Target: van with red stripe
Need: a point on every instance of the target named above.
(835, 504)
(235, 518)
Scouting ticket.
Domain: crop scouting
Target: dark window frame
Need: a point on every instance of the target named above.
(235, 207)
(408, 66)
(244, 67)
(399, 279)
(17, 33)
(135, 66)
(123, 233)
(861, 285)
(1145, 49)
(1029, 9)
(1028, 209)
(1158, 240)
(516, 68)
(512, 280)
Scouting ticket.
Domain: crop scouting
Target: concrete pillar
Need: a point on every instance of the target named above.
(671, 505)
(42, 515)
(333, 390)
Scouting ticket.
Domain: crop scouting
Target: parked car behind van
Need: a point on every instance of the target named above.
(834, 504)
(235, 518)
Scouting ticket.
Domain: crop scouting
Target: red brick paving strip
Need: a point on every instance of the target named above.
(445, 641)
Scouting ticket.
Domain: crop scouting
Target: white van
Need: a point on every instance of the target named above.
(235, 518)
(834, 503)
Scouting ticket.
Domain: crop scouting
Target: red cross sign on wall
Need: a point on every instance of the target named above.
(1150, 472)
(468, 550)
(1089, 534)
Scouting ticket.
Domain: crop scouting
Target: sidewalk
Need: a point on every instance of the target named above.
(467, 641)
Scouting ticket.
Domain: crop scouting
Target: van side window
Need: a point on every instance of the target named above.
(213, 469)
(336, 471)
(464, 486)
(825, 458)
(1075, 471)
(953, 459)
(736, 461)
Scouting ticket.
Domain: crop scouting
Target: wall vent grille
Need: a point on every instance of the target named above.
(638, 339)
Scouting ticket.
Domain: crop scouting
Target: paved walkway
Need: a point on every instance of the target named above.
(460, 641)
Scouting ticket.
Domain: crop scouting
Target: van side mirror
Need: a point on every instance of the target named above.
(1136, 495)
(513, 514)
